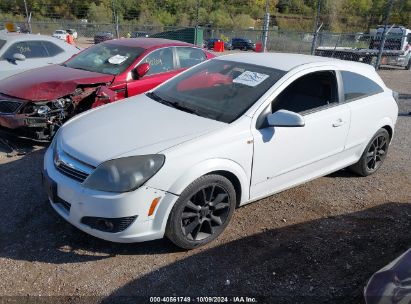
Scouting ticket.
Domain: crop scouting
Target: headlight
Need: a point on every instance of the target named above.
(43, 110)
(61, 103)
(124, 174)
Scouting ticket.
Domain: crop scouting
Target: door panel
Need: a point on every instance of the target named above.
(285, 156)
(162, 67)
(146, 83)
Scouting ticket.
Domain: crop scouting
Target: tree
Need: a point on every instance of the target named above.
(99, 13)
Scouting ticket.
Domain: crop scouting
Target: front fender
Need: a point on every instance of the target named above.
(196, 171)
(207, 166)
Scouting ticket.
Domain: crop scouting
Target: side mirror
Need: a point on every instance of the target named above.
(284, 118)
(19, 57)
(141, 70)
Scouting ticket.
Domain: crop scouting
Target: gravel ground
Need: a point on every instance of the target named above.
(316, 243)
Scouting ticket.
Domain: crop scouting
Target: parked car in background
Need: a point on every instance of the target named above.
(179, 159)
(60, 34)
(139, 35)
(103, 36)
(35, 103)
(392, 283)
(210, 44)
(242, 44)
(21, 52)
(73, 33)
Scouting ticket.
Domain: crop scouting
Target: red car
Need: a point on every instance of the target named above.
(36, 102)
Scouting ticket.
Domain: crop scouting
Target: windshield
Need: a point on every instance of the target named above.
(59, 32)
(105, 58)
(217, 89)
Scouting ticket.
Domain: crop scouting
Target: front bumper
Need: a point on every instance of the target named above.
(22, 125)
(83, 202)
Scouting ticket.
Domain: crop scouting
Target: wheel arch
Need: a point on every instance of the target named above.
(234, 181)
(389, 130)
(225, 167)
(387, 124)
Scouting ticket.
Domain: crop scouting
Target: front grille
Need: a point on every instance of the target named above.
(9, 107)
(75, 174)
(112, 225)
(70, 166)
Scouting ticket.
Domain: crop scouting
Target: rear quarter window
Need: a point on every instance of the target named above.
(358, 86)
(52, 49)
(189, 57)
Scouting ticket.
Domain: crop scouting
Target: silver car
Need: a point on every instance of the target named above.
(21, 52)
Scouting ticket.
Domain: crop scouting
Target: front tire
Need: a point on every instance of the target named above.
(202, 212)
(373, 155)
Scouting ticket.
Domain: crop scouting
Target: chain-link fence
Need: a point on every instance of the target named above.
(359, 47)
(394, 49)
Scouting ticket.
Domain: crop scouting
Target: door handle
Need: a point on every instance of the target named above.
(338, 123)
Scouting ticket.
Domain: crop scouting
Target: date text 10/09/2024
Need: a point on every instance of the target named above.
(174, 299)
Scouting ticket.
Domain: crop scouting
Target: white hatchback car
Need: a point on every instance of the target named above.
(178, 160)
(22, 52)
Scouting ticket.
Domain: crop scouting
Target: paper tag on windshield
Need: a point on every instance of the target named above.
(117, 59)
(251, 79)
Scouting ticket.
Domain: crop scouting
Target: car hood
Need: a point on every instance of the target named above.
(134, 126)
(50, 82)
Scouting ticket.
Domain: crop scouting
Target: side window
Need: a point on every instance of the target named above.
(308, 92)
(357, 86)
(30, 49)
(189, 57)
(160, 61)
(52, 49)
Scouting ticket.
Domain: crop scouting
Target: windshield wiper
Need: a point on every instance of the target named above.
(173, 104)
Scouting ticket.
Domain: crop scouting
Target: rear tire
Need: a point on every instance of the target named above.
(373, 155)
(408, 67)
(202, 212)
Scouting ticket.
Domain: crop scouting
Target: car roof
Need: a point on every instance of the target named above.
(288, 61)
(24, 37)
(147, 43)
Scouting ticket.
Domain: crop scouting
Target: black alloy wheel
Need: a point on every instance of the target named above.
(202, 212)
(373, 155)
(205, 213)
(377, 152)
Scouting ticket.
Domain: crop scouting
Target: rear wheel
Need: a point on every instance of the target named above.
(408, 67)
(202, 212)
(373, 155)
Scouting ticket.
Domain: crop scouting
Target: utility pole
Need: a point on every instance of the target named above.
(197, 12)
(197, 20)
(384, 34)
(316, 28)
(266, 25)
(115, 19)
(28, 18)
